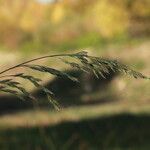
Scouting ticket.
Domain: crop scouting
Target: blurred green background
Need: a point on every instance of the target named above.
(111, 114)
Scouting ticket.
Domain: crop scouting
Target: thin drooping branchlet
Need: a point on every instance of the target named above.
(9, 83)
(35, 82)
(99, 66)
(52, 71)
(13, 92)
(75, 65)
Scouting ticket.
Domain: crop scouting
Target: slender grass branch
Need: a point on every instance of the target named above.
(32, 60)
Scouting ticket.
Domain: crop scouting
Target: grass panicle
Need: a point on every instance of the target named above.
(84, 62)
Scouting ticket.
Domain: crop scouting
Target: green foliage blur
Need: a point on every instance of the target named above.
(29, 25)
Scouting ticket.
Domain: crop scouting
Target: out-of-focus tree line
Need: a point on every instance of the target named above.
(28, 21)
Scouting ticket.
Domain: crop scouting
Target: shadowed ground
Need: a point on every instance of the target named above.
(67, 93)
(119, 132)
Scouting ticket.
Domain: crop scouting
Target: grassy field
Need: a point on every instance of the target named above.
(113, 126)
(119, 125)
(95, 114)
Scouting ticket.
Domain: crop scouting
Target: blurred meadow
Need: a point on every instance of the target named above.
(97, 114)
